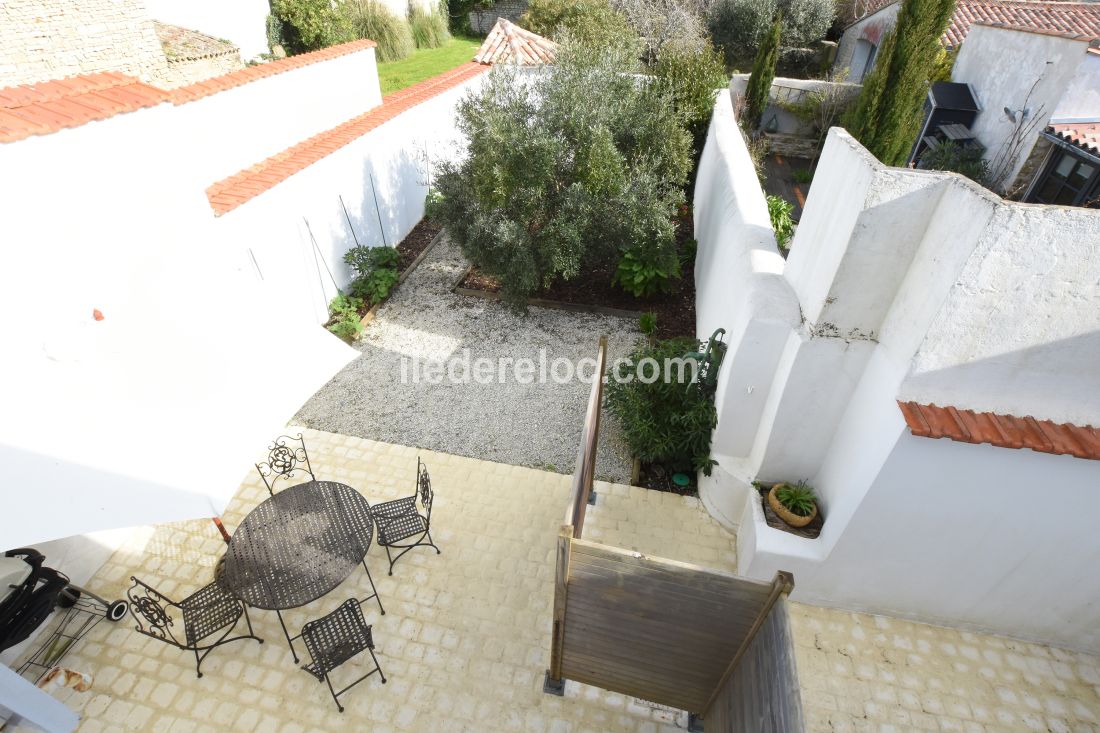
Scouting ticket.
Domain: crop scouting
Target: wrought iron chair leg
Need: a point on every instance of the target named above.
(332, 692)
(377, 665)
(248, 620)
(286, 633)
(390, 558)
(431, 542)
(373, 589)
(198, 664)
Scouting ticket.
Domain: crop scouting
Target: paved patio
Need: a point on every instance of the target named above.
(465, 639)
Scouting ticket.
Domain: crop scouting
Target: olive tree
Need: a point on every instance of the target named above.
(576, 165)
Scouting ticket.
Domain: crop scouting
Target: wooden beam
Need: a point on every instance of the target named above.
(783, 584)
(561, 587)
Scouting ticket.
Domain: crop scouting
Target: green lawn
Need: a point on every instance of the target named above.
(426, 63)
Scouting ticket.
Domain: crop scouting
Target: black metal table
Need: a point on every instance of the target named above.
(297, 546)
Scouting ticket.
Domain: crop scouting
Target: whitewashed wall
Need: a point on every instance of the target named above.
(272, 227)
(244, 22)
(1081, 101)
(231, 130)
(1004, 66)
(910, 285)
(872, 28)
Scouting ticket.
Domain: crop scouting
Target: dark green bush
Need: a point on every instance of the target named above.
(693, 78)
(950, 156)
(567, 170)
(308, 25)
(428, 26)
(738, 27)
(593, 23)
(371, 19)
(665, 422)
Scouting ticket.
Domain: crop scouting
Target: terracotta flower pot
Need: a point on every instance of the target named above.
(786, 514)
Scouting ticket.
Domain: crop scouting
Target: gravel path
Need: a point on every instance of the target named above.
(534, 424)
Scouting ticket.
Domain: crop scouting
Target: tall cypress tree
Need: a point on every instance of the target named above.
(763, 72)
(887, 116)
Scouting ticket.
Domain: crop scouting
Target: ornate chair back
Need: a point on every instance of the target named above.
(286, 456)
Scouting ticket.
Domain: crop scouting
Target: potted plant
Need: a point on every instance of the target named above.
(796, 504)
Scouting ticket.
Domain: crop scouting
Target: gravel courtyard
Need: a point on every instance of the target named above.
(536, 425)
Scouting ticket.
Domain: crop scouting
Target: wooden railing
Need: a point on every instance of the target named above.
(693, 638)
(585, 471)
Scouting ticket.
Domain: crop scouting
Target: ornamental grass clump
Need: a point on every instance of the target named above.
(428, 25)
(371, 19)
(566, 169)
(798, 498)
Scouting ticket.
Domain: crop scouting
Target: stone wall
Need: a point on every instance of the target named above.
(52, 39)
(483, 19)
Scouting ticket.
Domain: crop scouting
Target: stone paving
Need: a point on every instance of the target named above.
(465, 639)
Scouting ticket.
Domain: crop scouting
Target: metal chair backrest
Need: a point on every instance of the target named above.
(424, 489)
(285, 457)
(334, 639)
(154, 613)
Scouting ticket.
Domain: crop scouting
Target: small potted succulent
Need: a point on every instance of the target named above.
(796, 504)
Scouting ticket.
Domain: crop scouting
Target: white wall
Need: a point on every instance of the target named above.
(1005, 66)
(787, 122)
(1081, 101)
(239, 127)
(739, 287)
(244, 22)
(272, 225)
(913, 285)
(872, 28)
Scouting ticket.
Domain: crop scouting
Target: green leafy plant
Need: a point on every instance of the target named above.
(647, 324)
(643, 278)
(802, 175)
(693, 77)
(798, 498)
(758, 90)
(376, 287)
(428, 26)
(779, 211)
(565, 171)
(887, 116)
(968, 160)
(739, 27)
(344, 319)
(592, 23)
(666, 422)
(371, 19)
(307, 25)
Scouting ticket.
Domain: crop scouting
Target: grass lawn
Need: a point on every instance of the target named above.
(425, 63)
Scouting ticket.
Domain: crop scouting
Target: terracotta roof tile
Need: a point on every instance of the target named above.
(1005, 431)
(508, 43)
(206, 87)
(231, 192)
(1085, 135)
(39, 109)
(1062, 18)
(184, 44)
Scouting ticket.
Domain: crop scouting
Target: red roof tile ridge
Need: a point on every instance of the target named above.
(1005, 431)
(198, 90)
(229, 193)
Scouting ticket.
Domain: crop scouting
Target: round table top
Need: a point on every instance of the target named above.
(298, 545)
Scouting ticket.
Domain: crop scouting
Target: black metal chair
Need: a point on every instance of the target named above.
(203, 614)
(400, 520)
(285, 457)
(334, 639)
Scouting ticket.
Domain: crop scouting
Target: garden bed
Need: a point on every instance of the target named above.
(593, 292)
(657, 477)
(810, 531)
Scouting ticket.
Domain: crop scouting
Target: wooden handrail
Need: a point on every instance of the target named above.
(783, 584)
(585, 471)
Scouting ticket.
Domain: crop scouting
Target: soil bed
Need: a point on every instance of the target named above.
(416, 242)
(810, 531)
(657, 477)
(675, 311)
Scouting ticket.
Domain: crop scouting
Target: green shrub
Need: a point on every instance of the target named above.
(593, 23)
(308, 25)
(798, 498)
(642, 278)
(802, 175)
(665, 422)
(738, 27)
(965, 159)
(647, 324)
(344, 316)
(376, 272)
(565, 171)
(779, 211)
(371, 19)
(693, 78)
(758, 89)
(428, 26)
